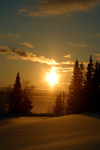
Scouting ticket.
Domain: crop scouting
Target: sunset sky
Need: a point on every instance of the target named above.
(36, 35)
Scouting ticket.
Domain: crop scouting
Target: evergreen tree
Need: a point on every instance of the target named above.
(58, 105)
(74, 101)
(90, 71)
(89, 89)
(84, 91)
(63, 103)
(82, 75)
(2, 102)
(16, 97)
(96, 87)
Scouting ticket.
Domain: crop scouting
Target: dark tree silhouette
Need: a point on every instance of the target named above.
(96, 87)
(27, 103)
(82, 75)
(16, 98)
(84, 91)
(2, 102)
(89, 89)
(90, 70)
(58, 105)
(75, 101)
(63, 103)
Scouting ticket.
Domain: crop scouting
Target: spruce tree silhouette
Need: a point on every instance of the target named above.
(96, 87)
(89, 89)
(75, 101)
(82, 73)
(16, 97)
(58, 105)
(90, 70)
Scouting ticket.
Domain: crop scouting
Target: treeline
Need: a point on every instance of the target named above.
(83, 96)
(16, 100)
(84, 90)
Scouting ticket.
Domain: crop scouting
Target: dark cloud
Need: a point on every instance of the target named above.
(21, 53)
(4, 50)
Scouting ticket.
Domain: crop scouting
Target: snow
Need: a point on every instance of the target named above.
(72, 132)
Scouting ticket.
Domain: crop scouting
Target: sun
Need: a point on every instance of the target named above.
(52, 77)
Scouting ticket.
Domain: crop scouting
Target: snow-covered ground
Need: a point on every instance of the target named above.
(72, 132)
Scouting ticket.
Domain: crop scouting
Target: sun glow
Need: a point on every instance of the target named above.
(52, 77)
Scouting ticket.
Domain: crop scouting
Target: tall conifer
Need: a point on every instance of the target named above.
(74, 90)
(89, 89)
(16, 97)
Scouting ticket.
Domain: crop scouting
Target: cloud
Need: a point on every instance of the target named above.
(66, 83)
(16, 35)
(98, 58)
(59, 7)
(78, 44)
(4, 50)
(97, 54)
(24, 55)
(63, 69)
(68, 69)
(67, 56)
(12, 57)
(69, 62)
(21, 54)
(2, 36)
(22, 10)
(27, 44)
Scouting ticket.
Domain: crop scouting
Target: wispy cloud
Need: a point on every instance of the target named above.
(63, 69)
(59, 7)
(24, 55)
(97, 54)
(67, 69)
(28, 45)
(75, 44)
(66, 83)
(67, 56)
(69, 62)
(10, 35)
(22, 10)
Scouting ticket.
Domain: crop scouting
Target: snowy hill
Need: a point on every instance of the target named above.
(72, 132)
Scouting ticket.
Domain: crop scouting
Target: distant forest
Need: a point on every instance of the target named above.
(83, 95)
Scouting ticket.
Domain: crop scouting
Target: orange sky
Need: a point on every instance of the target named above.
(38, 35)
